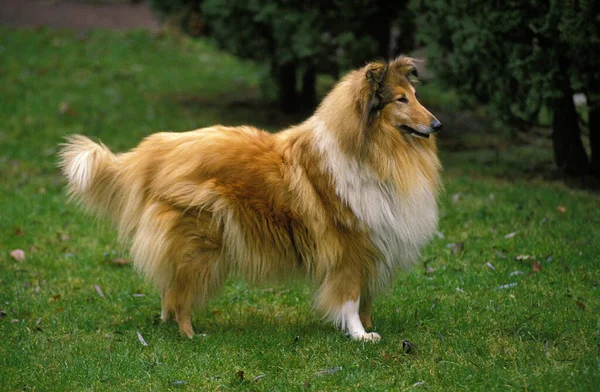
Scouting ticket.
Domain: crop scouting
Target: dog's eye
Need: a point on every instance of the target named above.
(402, 99)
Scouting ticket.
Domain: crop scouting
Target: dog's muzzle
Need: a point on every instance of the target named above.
(423, 131)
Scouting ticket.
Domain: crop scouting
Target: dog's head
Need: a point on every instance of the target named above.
(390, 96)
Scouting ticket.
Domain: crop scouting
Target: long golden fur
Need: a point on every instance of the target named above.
(345, 198)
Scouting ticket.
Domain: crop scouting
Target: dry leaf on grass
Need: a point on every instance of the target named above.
(459, 246)
(407, 346)
(536, 266)
(523, 257)
(119, 261)
(240, 375)
(65, 108)
(99, 290)
(141, 338)
(18, 254)
(562, 209)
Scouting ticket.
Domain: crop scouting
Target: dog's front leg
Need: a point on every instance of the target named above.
(352, 324)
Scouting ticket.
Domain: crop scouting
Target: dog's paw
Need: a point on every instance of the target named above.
(367, 337)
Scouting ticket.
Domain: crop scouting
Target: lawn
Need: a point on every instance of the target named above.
(506, 296)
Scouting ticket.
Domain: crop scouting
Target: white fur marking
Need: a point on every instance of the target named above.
(350, 323)
(80, 170)
(399, 226)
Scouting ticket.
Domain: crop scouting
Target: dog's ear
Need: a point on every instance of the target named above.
(375, 74)
(407, 68)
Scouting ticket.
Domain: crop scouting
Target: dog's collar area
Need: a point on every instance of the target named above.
(413, 132)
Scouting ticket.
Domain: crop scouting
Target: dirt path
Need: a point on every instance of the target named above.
(77, 15)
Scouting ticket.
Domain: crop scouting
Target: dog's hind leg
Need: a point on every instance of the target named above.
(167, 304)
(196, 281)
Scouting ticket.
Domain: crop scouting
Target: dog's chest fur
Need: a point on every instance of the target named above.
(399, 225)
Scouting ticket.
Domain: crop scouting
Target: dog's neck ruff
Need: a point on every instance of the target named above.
(399, 224)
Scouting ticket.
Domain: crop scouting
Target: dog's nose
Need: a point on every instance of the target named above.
(436, 125)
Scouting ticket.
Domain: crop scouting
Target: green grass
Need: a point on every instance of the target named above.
(57, 333)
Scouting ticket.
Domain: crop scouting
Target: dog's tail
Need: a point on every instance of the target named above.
(93, 175)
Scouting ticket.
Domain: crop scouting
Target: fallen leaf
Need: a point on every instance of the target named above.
(19, 232)
(458, 247)
(562, 209)
(536, 266)
(141, 338)
(328, 371)
(240, 375)
(56, 297)
(407, 346)
(523, 257)
(65, 108)
(64, 237)
(490, 266)
(18, 254)
(511, 235)
(99, 290)
(58, 310)
(119, 261)
(580, 305)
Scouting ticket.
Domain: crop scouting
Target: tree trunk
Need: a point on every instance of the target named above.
(594, 131)
(309, 92)
(286, 83)
(381, 30)
(569, 153)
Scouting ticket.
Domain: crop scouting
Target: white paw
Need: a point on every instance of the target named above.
(367, 337)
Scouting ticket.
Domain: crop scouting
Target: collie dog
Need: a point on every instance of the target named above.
(346, 198)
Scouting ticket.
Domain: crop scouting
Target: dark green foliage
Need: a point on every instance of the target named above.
(520, 56)
(296, 37)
